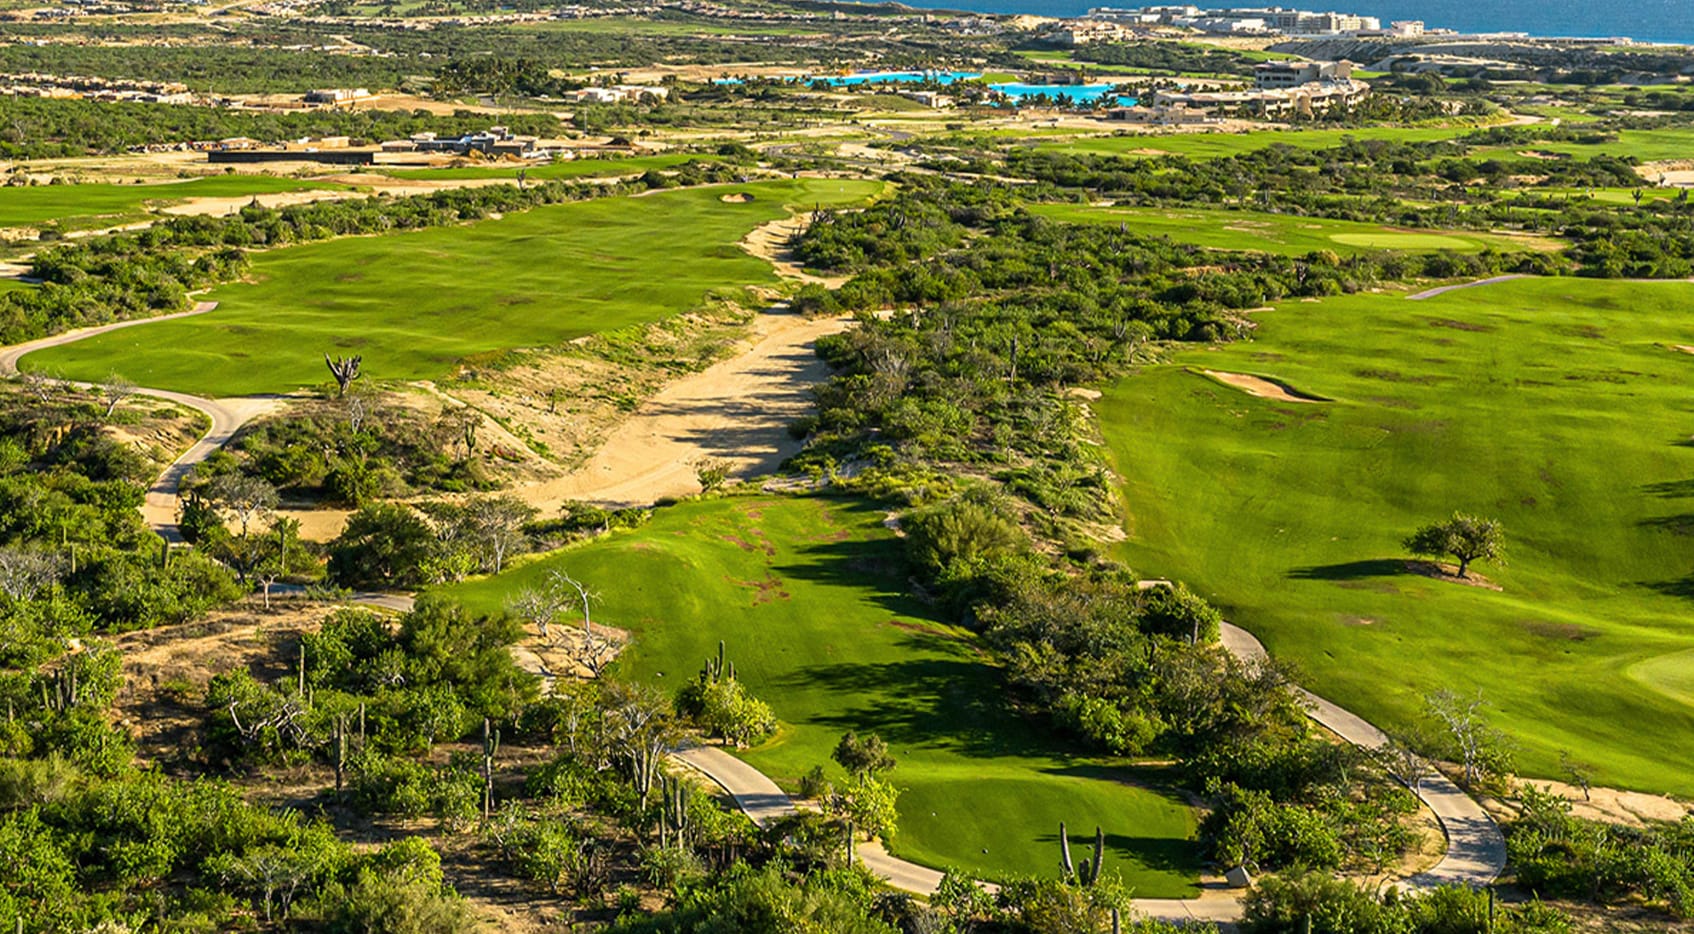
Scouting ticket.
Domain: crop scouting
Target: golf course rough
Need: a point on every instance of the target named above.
(1558, 406)
(808, 596)
(416, 303)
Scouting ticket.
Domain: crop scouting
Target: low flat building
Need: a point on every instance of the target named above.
(1282, 75)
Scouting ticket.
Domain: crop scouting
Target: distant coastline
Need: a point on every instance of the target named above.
(1656, 21)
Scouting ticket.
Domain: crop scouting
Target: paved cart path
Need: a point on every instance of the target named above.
(226, 417)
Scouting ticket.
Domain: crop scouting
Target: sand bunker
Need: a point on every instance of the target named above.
(1261, 387)
(736, 197)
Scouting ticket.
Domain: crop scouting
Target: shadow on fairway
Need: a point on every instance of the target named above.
(1350, 570)
(1161, 854)
(953, 704)
(1670, 489)
(1680, 587)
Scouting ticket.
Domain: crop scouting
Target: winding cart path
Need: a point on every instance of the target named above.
(226, 417)
(1476, 850)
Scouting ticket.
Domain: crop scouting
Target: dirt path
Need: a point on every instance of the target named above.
(225, 415)
(735, 412)
(1444, 289)
(769, 242)
(1261, 387)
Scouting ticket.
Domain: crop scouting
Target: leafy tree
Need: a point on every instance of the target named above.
(863, 756)
(1464, 537)
(383, 545)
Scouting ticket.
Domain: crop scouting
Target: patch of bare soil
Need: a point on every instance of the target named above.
(166, 670)
(1610, 805)
(770, 242)
(1450, 574)
(735, 412)
(1261, 387)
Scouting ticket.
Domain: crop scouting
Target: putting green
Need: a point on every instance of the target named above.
(416, 304)
(808, 596)
(1671, 675)
(1557, 406)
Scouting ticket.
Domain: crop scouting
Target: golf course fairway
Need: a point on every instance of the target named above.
(807, 595)
(1558, 406)
(414, 304)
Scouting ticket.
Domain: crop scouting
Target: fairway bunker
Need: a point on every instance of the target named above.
(1263, 388)
(736, 197)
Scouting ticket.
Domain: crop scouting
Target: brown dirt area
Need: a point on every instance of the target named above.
(1450, 574)
(1261, 387)
(1610, 805)
(769, 242)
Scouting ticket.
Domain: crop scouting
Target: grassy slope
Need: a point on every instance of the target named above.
(89, 205)
(1280, 233)
(574, 168)
(1213, 145)
(1550, 404)
(416, 303)
(807, 595)
(1646, 145)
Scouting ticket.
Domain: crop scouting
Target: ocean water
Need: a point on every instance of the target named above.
(1645, 20)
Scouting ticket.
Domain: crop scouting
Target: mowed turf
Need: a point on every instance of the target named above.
(1281, 233)
(573, 168)
(1558, 406)
(807, 595)
(1214, 145)
(414, 304)
(96, 204)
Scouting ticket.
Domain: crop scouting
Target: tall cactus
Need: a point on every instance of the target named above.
(1089, 872)
(490, 746)
(674, 820)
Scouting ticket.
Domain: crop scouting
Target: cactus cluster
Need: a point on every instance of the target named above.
(717, 669)
(1088, 872)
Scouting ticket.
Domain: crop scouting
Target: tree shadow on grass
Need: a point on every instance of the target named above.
(1680, 587)
(1676, 524)
(956, 704)
(1670, 489)
(1159, 854)
(1350, 570)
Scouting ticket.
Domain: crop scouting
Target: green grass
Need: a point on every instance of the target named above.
(1646, 145)
(574, 168)
(96, 204)
(415, 304)
(1216, 145)
(1280, 233)
(807, 594)
(1553, 405)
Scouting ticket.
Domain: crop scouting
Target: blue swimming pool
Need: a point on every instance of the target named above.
(1076, 93)
(1081, 95)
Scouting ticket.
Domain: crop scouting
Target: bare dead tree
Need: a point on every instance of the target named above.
(559, 578)
(114, 391)
(495, 525)
(39, 386)
(539, 605)
(345, 371)
(246, 498)
(26, 572)
(358, 407)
